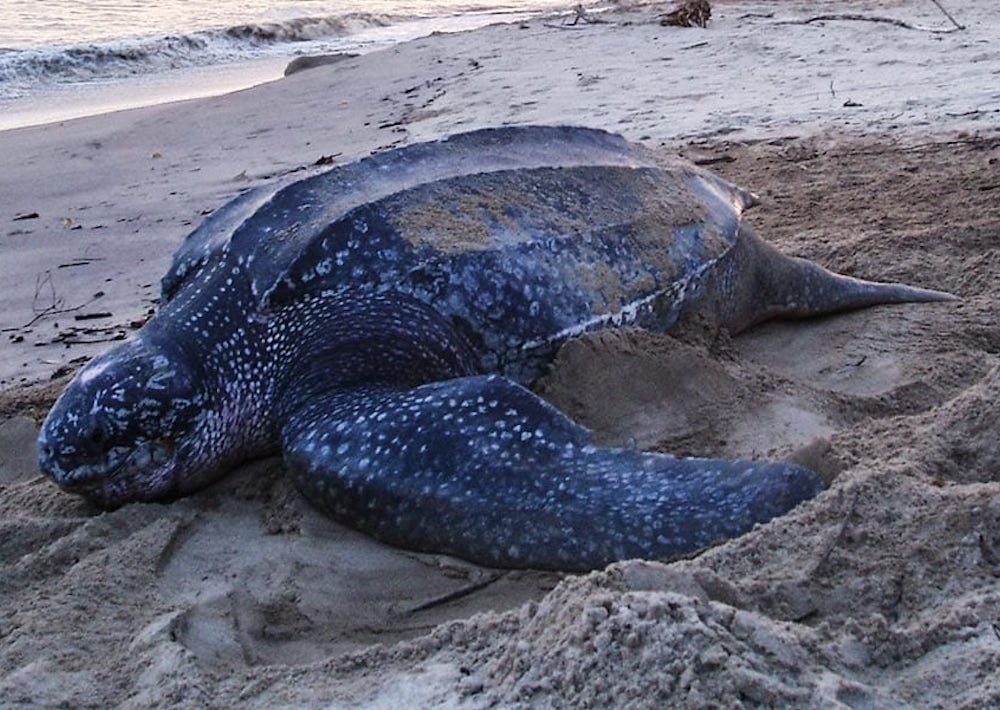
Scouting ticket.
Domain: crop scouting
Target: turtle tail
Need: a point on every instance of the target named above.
(769, 284)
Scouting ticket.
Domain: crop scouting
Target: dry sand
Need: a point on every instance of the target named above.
(881, 592)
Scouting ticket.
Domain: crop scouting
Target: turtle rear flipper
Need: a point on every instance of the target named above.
(754, 282)
(481, 468)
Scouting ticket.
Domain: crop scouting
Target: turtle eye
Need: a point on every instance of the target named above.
(96, 437)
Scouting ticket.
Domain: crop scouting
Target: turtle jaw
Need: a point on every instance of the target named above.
(146, 472)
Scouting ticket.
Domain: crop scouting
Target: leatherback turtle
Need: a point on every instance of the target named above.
(377, 324)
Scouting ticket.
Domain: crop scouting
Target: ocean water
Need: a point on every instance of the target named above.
(55, 51)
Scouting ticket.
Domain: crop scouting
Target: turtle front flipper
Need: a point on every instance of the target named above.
(481, 468)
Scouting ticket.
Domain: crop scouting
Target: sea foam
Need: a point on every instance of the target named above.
(21, 70)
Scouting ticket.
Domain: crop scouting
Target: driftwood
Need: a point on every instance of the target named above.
(580, 18)
(585, 17)
(698, 13)
(849, 17)
(691, 13)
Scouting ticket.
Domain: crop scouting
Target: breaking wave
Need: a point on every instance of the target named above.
(21, 69)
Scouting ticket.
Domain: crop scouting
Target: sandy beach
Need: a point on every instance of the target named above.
(875, 149)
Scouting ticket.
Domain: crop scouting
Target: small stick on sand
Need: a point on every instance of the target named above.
(837, 538)
(465, 591)
(948, 15)
(56, 302)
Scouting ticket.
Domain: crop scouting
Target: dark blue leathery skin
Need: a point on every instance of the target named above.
(288, 215)
(520, 260)
(376, 322)
(481, 468)
(478, 466)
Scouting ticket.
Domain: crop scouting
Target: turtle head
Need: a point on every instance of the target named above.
(126, 428)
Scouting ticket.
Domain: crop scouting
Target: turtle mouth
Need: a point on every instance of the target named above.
(139, 473)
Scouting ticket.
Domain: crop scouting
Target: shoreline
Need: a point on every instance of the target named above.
(61, 103)
(107, 94)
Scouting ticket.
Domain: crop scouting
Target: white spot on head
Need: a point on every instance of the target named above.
(91, 373)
